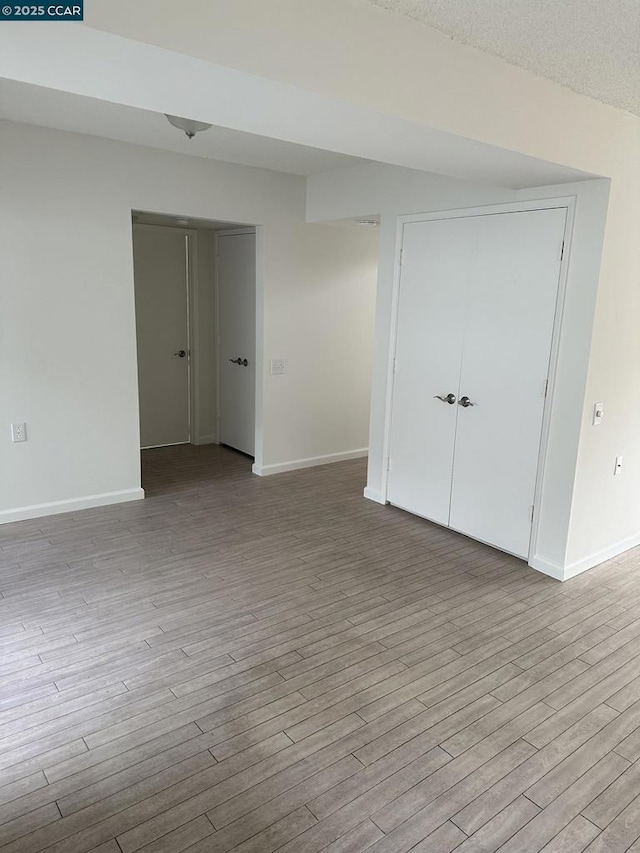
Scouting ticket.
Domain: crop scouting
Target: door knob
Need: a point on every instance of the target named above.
(450, 398)
(243, 361)
(465, 402)
(181, 353)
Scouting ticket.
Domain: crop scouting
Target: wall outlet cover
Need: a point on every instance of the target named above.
(278, 366)
(18, 432)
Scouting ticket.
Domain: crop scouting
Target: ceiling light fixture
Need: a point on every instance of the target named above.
(187, 125)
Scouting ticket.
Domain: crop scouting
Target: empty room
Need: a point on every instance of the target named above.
(320, 469)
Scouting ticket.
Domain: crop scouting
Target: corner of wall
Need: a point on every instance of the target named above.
(546, 567)
(374, 495)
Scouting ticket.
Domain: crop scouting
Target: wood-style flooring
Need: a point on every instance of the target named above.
(256, 665)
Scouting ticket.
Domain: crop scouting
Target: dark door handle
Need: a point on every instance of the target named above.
(182, 353)
(450, 398)
(465, 402)
(243, 361)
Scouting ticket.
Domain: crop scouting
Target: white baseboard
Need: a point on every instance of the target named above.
(564, 573)
(547, 568)
(311, 462)
(374, 495)
(159, 446)
(72, 505)
(205, 439)
(601, 556)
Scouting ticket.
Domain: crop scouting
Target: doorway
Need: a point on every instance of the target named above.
(195, 299)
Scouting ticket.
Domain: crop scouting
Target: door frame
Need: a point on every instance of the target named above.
(566, 202)
(237, 232)
(193, 349)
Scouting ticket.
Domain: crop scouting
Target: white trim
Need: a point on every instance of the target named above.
(191, 252)
(205, 439)
(235, 231)
(547, 568)
(391, 360)
(171, 444)
(240, 231)
(70, 505)
(570, 204)
(312, 461)
(586, 563)
(374, 495)
(216, 343)
(601, 556)
(520, 206)
(258, 452)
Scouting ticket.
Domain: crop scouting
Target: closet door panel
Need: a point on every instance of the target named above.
(437, 261)
(508, 328)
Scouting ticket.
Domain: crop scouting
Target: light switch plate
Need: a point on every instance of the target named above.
(598, 413)
(278, 366)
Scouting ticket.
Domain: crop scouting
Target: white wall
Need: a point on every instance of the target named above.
(391, 191)
(320, 321)
(406, 70)
(394, 91)
(67, 347)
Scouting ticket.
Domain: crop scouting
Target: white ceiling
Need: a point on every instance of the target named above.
(65, 111)
(590, 46)
(88, 81)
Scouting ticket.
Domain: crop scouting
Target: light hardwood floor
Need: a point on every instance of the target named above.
(271, 664)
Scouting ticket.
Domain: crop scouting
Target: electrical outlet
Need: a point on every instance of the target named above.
(18, 432)
(278, 366)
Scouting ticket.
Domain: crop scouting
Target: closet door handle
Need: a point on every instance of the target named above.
(465, 402)
(450, 398)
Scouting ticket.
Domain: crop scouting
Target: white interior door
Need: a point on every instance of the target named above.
(436, 265)
(476, 312)
(160, 274)
(508, 329)
(236, 310)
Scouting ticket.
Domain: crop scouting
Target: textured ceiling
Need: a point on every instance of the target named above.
(590, 46)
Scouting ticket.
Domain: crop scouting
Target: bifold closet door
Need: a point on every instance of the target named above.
(508, 329)
(476, 310)
(437, 263)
